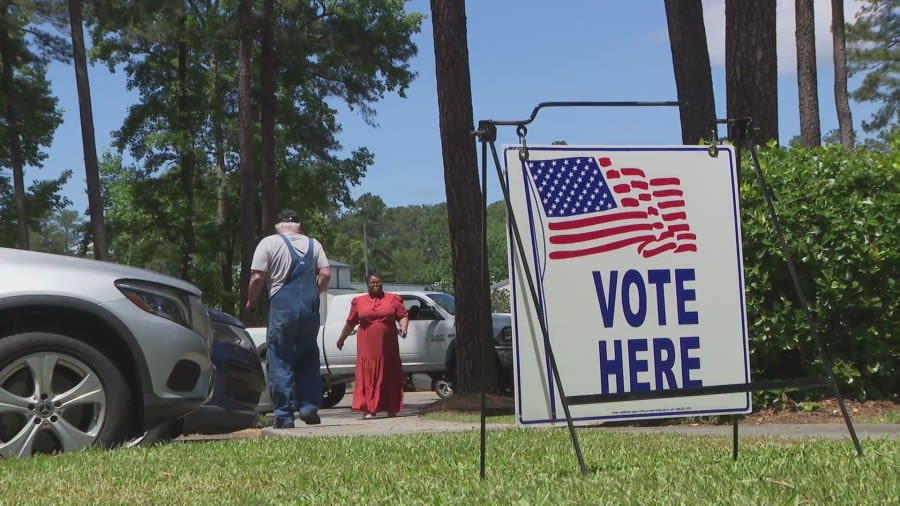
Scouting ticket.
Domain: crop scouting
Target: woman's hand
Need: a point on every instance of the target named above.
(345, 332)
(403, 332)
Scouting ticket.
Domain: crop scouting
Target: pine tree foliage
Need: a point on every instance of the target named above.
(873, 41)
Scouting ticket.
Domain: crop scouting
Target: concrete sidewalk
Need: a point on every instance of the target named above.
(341, 421)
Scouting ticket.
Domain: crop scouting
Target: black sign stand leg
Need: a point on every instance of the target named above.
(734, 438)
(744, 125)
(486, 279)
(487, 132)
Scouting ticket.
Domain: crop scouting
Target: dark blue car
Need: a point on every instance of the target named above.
(238, 385)
(239, 381)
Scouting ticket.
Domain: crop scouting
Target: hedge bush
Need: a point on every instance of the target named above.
(839, 210)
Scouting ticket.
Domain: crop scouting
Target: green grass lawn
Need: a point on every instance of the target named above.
(524, 466)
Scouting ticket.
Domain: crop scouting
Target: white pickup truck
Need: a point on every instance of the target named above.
(426, 349)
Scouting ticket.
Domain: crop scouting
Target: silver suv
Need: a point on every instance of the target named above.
(94, 353)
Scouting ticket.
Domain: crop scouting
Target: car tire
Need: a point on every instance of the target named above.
(332, 394)
(58, 394)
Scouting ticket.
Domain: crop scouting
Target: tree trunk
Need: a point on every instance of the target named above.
(186, 156)
(267, 117)
(88, 143)
(693, 77)
(751, 66)
(841, 96)
(464, 205)
(807, 82)
(248, 170)
(14, 143)
(225, 245)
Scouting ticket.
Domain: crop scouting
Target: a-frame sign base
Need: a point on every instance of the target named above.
(740, 128)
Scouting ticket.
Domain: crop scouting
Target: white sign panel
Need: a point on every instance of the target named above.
(635, 256)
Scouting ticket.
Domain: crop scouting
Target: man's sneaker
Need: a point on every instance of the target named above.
(311, 418)
(288, 424)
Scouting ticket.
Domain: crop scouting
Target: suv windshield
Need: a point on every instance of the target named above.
(445, 300)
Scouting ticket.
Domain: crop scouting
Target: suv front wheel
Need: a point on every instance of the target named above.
(58, 394)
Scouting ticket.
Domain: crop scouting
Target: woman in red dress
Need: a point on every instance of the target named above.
(379, 373)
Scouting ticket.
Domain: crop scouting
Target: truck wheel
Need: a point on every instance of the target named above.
(332, 395)
(58, 394)
(442, 387)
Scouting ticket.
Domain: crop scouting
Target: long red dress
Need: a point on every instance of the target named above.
(379, 372)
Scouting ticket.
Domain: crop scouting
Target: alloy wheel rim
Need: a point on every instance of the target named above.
(49, 403)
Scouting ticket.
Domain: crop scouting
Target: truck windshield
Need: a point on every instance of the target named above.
(445, 300)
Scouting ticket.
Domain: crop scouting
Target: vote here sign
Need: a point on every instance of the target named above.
(635, 254)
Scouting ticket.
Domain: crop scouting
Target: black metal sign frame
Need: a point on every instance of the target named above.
(741, 136)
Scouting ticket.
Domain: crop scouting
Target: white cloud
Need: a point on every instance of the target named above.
(714, 18)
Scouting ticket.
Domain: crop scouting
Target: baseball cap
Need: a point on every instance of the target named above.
(288, 215)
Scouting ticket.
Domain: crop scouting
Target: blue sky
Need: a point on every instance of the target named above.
(521, 52)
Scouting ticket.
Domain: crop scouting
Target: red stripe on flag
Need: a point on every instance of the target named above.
(685, 247)
(675, 216)
(671, 203)
(665, 235)
(652, 252)
(661, 181)
(562, 255)
(622, 188)
(640, 185)
(596, 220)
(598, 234)
(668, 193)
(630, 202)
(633, 172)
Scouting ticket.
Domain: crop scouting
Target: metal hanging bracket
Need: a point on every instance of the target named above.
(522, 131)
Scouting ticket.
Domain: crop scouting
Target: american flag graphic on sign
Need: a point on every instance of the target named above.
(592, 209)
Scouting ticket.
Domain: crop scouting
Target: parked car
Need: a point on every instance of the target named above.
(239, 383)
(93, 353)
(501, 324)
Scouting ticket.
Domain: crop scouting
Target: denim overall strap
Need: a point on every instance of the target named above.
(299, 291)
(293, 353)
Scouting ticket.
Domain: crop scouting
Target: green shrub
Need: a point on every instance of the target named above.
(839, 211)
(500, 301)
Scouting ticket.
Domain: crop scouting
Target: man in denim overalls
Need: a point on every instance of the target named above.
(296, 270)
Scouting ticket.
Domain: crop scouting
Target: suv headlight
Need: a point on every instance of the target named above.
(232, 334)
(161, 300)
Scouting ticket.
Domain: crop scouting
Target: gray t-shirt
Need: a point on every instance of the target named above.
(272, 257)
